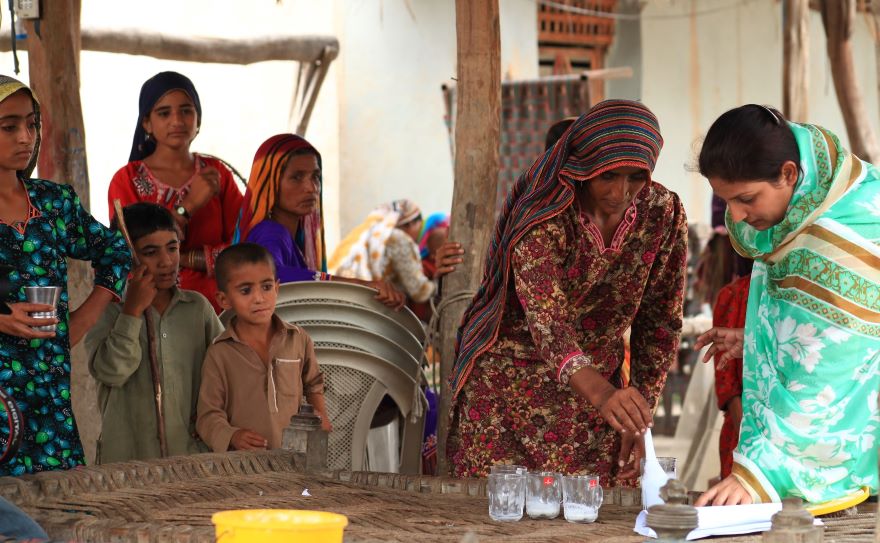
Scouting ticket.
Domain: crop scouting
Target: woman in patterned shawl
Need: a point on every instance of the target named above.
(385, 247)
(808, 211)
(42, 224)
(587, 246)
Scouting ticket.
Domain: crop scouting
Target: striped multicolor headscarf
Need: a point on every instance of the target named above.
(262, 192)
(613, 134)
(8, 87)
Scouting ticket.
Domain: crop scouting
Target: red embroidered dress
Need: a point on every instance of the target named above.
(730, 312)
(211, 227)
(571, 296)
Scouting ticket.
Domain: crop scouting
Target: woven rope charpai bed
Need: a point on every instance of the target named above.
(172, 500)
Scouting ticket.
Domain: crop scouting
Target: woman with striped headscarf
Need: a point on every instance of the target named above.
(282, 212)
(587, 246)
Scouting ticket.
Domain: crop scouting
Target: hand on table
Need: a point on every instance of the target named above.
(728, 492)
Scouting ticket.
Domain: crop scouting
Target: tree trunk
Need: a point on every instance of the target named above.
(477, 138)
(796, 59)
(53, 60)
(838, 17)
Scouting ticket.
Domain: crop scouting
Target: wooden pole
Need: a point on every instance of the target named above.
(199, 49)
(53, 61)
(838, 17)
(477, 139)
(796, 59)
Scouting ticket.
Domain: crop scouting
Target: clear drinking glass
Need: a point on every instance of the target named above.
(507, 495)
(508, 468)
(543, 494)
(581, 498)
(668, 464)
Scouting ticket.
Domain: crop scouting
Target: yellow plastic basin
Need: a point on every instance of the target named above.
(276, 525)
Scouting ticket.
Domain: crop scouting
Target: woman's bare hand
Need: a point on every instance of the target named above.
(727, 341)
(388, 295)
(632, 450)
(19, 324)
(202, 188)
(626, 411)
(728, 492)
(448, 256)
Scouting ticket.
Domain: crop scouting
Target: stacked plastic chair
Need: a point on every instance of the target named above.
(367, 352)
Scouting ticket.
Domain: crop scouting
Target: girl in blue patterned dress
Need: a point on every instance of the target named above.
(41, 225)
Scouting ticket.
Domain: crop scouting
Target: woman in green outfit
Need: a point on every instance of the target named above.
(808, 211)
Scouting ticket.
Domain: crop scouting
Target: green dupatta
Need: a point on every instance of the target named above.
(811, 375)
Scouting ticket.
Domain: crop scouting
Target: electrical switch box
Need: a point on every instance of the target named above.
(27, 9)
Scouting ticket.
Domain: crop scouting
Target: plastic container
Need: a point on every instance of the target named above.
(278, 525)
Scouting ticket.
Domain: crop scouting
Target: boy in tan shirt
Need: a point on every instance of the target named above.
(256, 372)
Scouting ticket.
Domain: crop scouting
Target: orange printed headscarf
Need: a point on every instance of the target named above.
(262, 192)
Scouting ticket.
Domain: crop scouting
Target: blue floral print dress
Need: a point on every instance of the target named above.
(36, 372)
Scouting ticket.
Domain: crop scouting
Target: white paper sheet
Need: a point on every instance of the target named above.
(724, 520)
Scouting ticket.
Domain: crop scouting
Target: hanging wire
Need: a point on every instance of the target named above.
(12, 33)
(636, 16)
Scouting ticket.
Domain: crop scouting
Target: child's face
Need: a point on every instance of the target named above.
(251, 292)
(160, 252)
(18, 131)
(173, 121)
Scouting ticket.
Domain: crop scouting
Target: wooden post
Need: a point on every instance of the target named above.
(838, 17)
(53, 61)
(795, 59)
(477, 138)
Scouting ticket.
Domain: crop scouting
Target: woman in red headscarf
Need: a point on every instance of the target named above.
(587, 246)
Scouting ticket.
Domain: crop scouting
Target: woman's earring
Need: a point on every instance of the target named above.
(147, 136)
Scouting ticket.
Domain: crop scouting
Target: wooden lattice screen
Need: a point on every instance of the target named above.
(570, 42)
(560, 27)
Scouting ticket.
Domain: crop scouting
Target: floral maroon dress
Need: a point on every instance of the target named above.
(730, 312)
(573, 295)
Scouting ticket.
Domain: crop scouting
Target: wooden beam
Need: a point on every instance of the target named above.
(796, 59)
(53, 61)
(838, 17)
(219, 50)
(477, 139)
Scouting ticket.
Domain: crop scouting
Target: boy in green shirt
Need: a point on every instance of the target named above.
(119, 355)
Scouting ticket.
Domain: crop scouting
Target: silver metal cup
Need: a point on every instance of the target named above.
(43, 295)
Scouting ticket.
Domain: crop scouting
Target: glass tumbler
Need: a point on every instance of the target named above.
(668, 464)
(507, 495)
(543, 494)
(581, 498)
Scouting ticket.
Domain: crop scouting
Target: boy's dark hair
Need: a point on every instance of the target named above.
(556, 131)
(749, 143)
(144, 218)
(236, 255)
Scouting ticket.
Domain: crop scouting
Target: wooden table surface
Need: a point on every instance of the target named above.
(172, 500)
